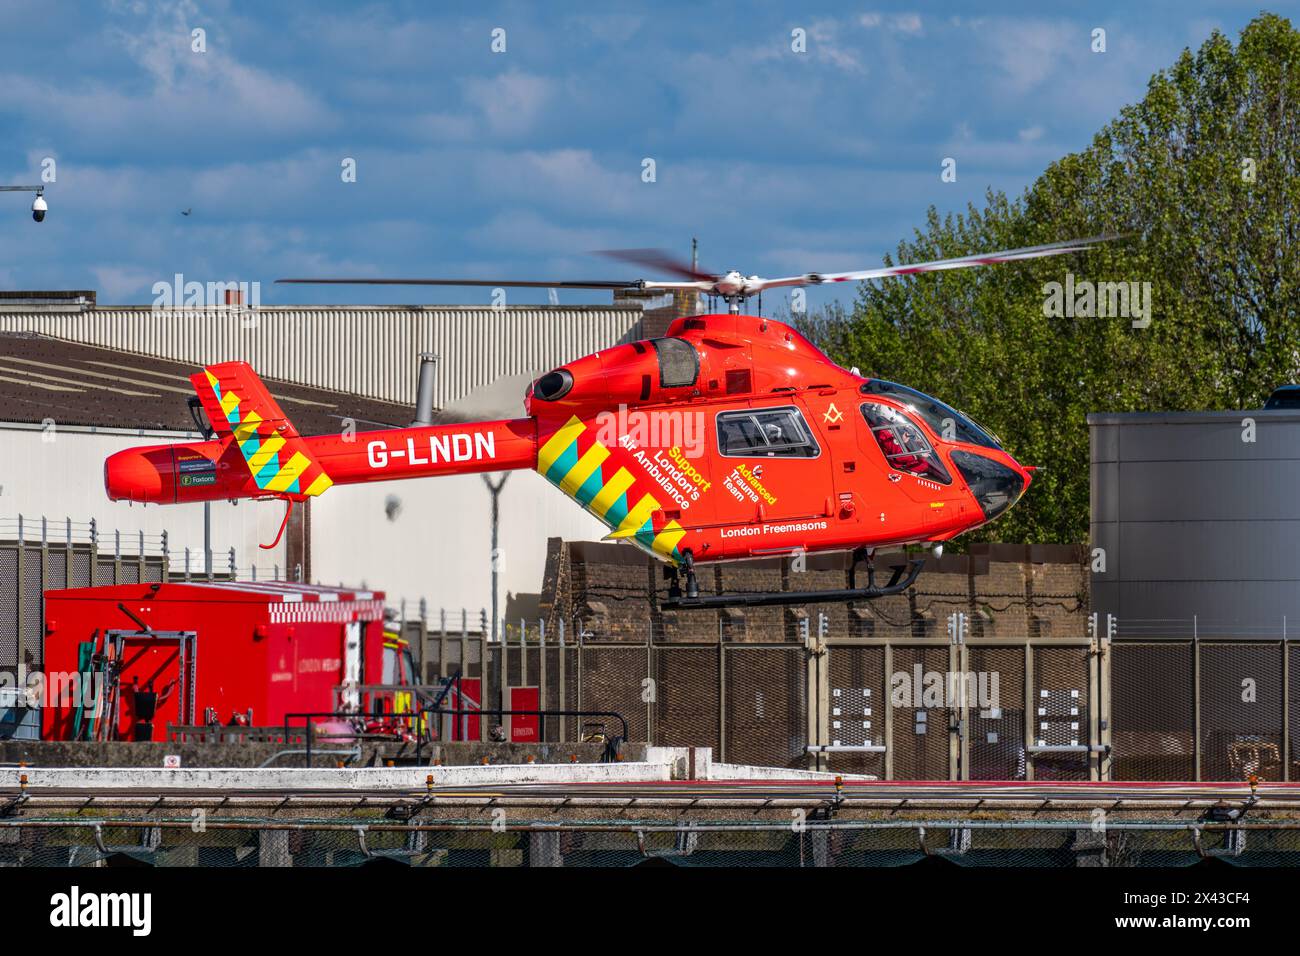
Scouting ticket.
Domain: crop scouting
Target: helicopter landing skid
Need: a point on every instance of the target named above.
(902, 577)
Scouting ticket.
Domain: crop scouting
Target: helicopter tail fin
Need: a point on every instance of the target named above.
(241, 410)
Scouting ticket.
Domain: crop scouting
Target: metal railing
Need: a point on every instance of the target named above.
(612, 744)
(706, 841)
(419, 725)
(351, 716)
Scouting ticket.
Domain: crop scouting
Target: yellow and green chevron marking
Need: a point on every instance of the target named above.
(580, 466)
(276, 463)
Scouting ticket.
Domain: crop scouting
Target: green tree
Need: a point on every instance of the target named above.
(1200, 179)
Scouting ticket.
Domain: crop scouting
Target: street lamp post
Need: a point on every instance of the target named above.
(494, 488)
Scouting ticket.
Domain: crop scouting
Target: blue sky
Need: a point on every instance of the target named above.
(472, 163)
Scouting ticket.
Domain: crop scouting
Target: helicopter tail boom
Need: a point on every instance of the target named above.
(219, 469)
(257, 452)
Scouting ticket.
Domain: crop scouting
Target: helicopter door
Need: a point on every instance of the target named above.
(898, 447)
(772, 465)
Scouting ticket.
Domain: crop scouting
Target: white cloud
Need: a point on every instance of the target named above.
(611, 27)
(1027, 52)
(908, 23)
(977, 155)
(515, 229)
(210, 95)
(825, 46)
(510, 103)
(119, 283)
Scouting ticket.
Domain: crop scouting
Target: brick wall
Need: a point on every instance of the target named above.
(1007, 590)
(657, 319)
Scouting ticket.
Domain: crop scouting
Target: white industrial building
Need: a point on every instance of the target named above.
(64, 407)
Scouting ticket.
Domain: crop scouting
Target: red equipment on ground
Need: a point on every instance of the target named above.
(127, 661)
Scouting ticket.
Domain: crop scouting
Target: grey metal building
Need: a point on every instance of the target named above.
(1197, 516)
(1196, 561)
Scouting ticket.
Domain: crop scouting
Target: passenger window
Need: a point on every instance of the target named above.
(679, 364)
(768, 432)
(904, 446)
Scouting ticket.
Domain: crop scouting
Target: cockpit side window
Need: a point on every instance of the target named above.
(765, 432)
(944, 420)
(904, 446)
(679, 364)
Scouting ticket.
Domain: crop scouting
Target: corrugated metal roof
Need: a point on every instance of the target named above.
(365, 350)
(43, 378)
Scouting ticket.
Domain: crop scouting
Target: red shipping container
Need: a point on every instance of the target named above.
(272, 648)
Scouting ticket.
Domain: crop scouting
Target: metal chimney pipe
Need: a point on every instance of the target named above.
(424, 390)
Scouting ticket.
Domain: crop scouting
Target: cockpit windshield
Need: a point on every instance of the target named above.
(946, 422)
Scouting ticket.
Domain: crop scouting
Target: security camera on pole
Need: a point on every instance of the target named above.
(39, 206)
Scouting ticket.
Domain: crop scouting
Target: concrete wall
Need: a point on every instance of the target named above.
(1197, 523)
(401, 779)
(192, 754)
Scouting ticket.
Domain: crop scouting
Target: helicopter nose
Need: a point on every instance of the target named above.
(995, 485)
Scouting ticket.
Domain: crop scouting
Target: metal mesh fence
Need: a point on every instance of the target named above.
(859, 697)
(765, 689)
(1218, 708)
(922, 734)
(613, 679)
(9, 608)
(105, 571)
(79, 569)
(1241, 710)
(28, 568)
(30, 598)
(328, 843)
(687, 684)
(752, 702)
(1293, 710)
(1061, 719)
(56, 567)
(1209, 710)
(997, 722)
(1152, 711)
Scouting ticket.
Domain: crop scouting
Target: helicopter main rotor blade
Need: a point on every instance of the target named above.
(706, 285)
(736, 287)
(937, 265)
(659, 260)
(594, 284)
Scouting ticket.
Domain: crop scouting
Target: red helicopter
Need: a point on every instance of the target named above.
(731, 437)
